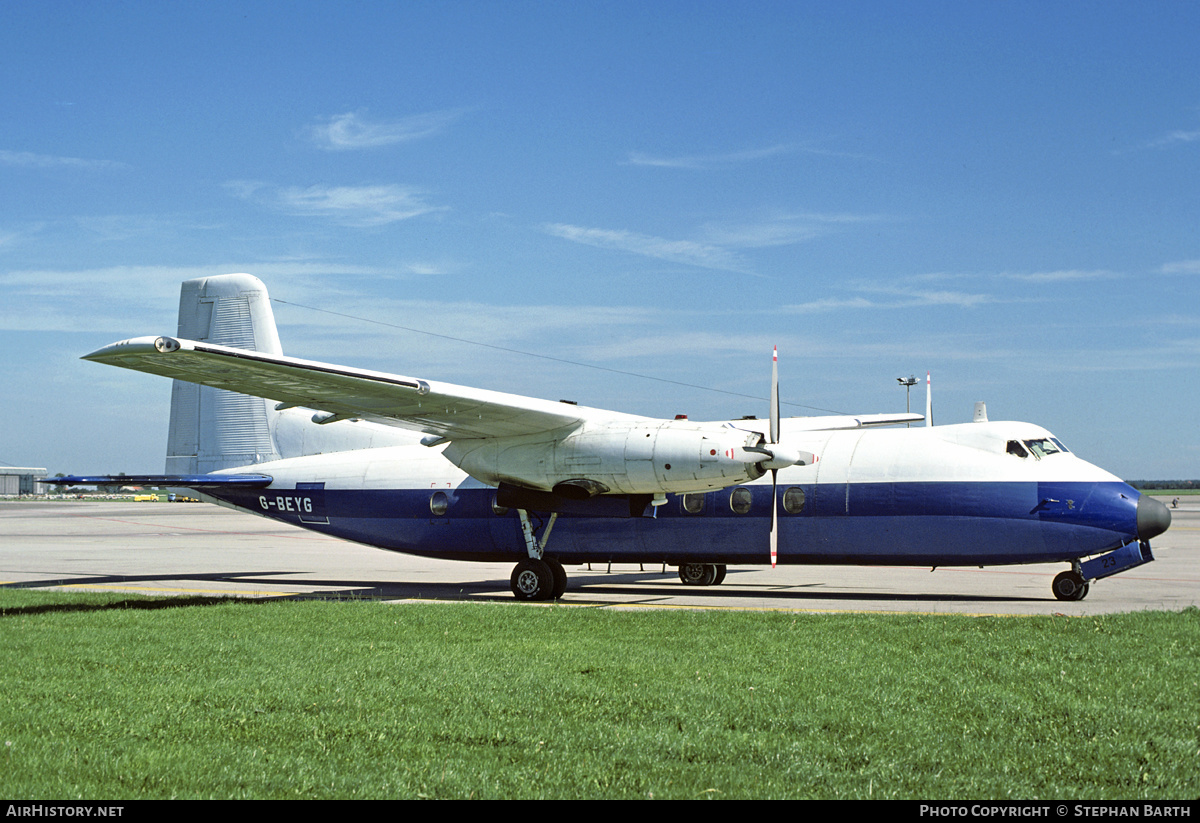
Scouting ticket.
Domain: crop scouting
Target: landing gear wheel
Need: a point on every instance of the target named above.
(532, 580)
(720, 574)
(698, 574)
(1070, 586)
(560, 577)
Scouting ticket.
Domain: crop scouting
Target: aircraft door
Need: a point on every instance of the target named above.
(832, 491)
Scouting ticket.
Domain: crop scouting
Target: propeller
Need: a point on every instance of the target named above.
(771, 455)
(777, 455)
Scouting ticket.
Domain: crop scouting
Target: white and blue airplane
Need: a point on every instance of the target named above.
(446, 471)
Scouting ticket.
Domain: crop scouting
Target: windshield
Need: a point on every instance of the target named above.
(1042, 447)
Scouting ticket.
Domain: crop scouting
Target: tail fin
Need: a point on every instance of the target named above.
(211, 428)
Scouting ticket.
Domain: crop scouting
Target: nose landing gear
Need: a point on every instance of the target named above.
(1070, 586)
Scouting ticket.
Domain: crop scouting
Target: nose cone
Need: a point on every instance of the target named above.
(1153, 518)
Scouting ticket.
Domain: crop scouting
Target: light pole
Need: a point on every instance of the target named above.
(907, 383)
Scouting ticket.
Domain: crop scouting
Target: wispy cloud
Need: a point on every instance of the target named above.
(1063, 276)
(352, 130)
(892, 298)
(688, 252)
(929, 290)
(782, 229)
(1182, 267)
(715, 160)
(1174, 137)
(706, 161)
(717, 245)
(29, 160)
(357, 206)
(828, 304)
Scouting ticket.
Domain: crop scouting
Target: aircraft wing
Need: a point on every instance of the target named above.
(856, 421)
(339, 392)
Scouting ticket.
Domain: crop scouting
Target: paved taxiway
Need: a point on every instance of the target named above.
(198, 549)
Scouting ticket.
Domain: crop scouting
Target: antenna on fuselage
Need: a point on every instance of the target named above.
(980, 412)
(928, 400)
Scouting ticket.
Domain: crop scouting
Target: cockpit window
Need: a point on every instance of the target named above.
(1042, 447)
(1015, 447)
(1061, 447)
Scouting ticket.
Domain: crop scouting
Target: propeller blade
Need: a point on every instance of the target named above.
(774, 518)
(774, 441)
(774, 395)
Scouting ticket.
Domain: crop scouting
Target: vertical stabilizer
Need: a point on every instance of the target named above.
(212, 428)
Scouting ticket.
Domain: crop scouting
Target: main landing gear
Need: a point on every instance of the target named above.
(537, 577)
(701, 574)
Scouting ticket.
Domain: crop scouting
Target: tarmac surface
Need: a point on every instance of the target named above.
(200, 549)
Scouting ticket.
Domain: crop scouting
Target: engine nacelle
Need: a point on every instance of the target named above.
(642, 458)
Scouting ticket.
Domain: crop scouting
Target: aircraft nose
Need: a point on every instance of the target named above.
(1153, 518)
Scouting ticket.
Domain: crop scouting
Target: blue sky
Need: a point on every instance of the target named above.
(1005, 194)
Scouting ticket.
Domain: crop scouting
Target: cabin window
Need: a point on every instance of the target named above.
(693, 503)
(739, 500)
(793, 500)
(439, 502)
(496, 507)
(1015, 447)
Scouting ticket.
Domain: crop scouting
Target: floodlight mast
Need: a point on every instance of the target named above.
(907, 383)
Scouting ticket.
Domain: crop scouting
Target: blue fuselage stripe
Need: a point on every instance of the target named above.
(931, 523)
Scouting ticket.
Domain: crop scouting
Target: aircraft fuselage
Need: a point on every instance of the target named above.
(950, 495)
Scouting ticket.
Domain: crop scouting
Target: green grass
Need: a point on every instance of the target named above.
(104, 697)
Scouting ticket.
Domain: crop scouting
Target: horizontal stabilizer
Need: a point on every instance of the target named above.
(187, 481)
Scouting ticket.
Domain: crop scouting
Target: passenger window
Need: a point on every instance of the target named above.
(439, 503)
(739, 500)
(793, 500)
(693, 503)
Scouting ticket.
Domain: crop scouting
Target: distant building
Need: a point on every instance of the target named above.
(15, 481)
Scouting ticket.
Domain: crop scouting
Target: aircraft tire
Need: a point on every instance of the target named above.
(532, 580)
(720, 574)
(698, 574)
(1070, 586)
(560, 577)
